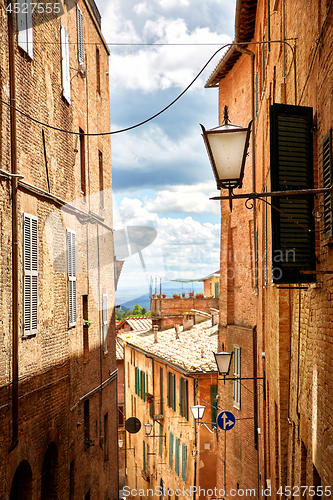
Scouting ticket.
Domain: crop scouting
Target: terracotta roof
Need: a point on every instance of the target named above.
(119, 349)
(192, 351)
(244, 31)
(137, 324)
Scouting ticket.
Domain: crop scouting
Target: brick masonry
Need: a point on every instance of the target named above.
(55, 372)
(294, 327)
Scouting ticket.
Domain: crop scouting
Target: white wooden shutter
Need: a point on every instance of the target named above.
(80, 47)
(105, 322)
(65, 72)
(30, 264)
(71, 267)
(24, 23)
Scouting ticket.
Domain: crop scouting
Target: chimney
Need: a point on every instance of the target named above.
(177, 331)
(155, 333)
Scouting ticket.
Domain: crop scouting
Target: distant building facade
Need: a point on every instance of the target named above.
(58, 409)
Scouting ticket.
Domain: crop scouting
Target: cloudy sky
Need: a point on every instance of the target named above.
(161, 173)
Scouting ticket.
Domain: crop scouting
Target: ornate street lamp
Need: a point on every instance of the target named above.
(223, 361)
(148, 429)
(227, 147)
(197, 411)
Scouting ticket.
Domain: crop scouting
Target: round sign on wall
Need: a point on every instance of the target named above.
(132, 425)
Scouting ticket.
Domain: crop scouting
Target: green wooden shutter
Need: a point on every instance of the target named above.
(186, 399)
(291, 155)
(168, 388)
(160, 445)
(170, 450)
(173, 392)
(213, 402)
(177, 456)
(136, 380)
(181, 402)
(184, 460)
(327, 182)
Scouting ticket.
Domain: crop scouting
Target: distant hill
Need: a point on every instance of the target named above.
(169, 288)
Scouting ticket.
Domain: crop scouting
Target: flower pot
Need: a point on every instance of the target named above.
(191, 294)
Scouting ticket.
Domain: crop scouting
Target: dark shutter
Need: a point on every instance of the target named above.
(213, 402)
(327, 182)
(291, 154)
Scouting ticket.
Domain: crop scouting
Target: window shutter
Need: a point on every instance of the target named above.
(237, 374)
(80, 46)
(291, 154)
(181, 402)
(105, 322)
(327, 182)
(213, 402)
(168, 389)
(177, 456)
(184, 460)
(170, 450)
(65, 72)
(29, 31)
(186, 399)
(173, 392)
(71, 266)
(160, 445)
(24, 25)
(30, 274)
(136, 380)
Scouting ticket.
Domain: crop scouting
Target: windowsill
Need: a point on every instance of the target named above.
(28, 335)
(237, 406)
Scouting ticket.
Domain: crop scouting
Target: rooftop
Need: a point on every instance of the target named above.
(192, 351)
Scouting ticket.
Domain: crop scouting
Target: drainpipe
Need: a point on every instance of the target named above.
(15, 277)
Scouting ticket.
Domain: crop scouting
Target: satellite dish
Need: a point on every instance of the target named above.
(132, 425)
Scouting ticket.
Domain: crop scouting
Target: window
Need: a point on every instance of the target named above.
(24, 26)
(177, 444)
(85, 328)
(237, 374)
(183, 397)
(65, 72)
(30, 238)
(291, 158)
(327, 182)
(80, 46)
(105, 323)
(82, 162)
(71, 268)
(213, 402)
(184, 461)
(98, 71)
(170, 450)
(161, 391)
(101, 183)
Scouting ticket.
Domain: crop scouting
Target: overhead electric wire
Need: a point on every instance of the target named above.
(127, 128)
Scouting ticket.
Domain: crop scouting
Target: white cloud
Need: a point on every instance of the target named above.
(185, 199)
(184, 248)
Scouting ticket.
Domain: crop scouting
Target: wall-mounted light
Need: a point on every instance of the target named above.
(197, 411)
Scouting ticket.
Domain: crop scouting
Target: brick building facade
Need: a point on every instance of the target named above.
(58, 409)
(279, 310)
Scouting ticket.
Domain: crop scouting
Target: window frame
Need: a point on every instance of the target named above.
(25, 35)
(237, 375)
(65, 65)
(80, 42)
(30, 274)
(71, 277)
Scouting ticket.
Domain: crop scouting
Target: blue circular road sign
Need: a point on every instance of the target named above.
(226, 420)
